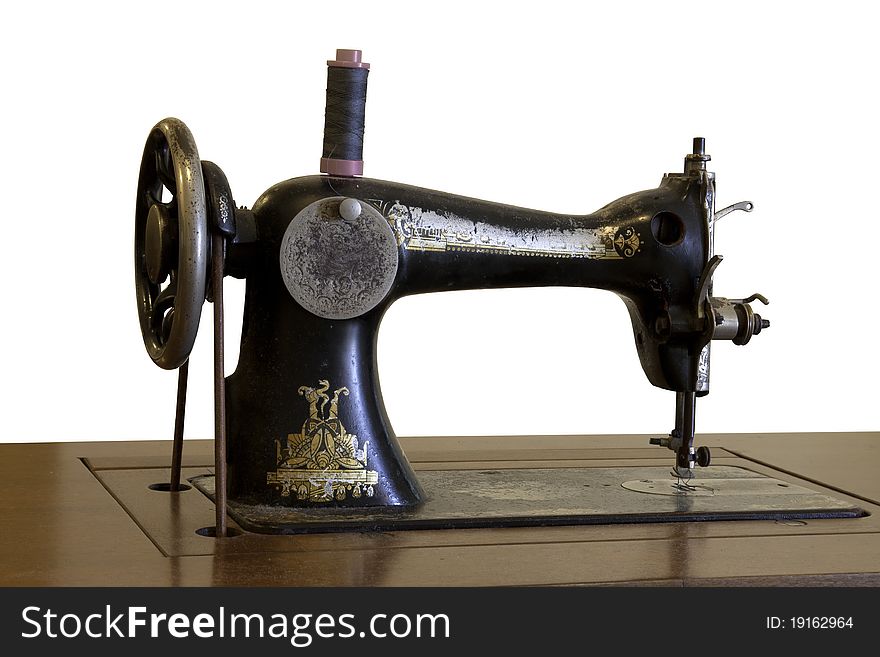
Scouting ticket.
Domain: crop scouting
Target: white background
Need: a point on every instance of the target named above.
(558, 106)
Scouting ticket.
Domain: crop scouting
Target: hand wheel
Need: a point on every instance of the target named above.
(171, 244)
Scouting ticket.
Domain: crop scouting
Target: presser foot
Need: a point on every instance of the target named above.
(686, 457)
(681, 439)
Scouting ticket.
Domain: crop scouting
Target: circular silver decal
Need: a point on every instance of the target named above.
(338, 265)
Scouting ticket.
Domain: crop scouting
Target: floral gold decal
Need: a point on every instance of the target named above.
(322, 463)
(627, 242)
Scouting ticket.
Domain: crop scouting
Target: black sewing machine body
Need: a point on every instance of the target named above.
(325, 256)
(649, 247)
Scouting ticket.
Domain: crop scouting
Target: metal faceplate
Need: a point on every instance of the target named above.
(338, 258)
(558, 496)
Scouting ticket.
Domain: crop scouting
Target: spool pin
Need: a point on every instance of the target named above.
(344, 114)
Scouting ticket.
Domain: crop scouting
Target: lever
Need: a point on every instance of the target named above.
(745, 206)
(705, 283)
(754, 297)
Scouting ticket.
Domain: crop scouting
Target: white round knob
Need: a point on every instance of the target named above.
(350, 209)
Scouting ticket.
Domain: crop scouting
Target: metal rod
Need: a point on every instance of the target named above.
(679, 411)
(177, 446)
(686, 403)
(219, 389)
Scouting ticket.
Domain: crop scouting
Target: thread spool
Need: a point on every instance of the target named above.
(344, 114)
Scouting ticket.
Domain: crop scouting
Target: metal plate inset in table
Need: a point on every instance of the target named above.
(559, 496)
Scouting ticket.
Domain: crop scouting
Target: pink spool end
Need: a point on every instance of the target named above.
(348, 59)
(336, 167)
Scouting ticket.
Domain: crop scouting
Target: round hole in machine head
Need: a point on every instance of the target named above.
(667, 228)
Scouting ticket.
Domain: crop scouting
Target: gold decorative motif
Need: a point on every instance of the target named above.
(627, 242)
(322, 462)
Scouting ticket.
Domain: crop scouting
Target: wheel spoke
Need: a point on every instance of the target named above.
(165, 169)
(153, 196)
(165, 298)
(162, 306)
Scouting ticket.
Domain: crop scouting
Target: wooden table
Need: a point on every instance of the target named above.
(61, 526)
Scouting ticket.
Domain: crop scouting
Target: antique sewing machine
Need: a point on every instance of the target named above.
(305, 482)
(302, 437)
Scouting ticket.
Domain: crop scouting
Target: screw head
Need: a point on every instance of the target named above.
(704, 456)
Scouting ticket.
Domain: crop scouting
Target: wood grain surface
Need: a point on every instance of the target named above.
(62, 525)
